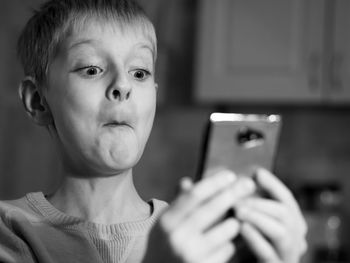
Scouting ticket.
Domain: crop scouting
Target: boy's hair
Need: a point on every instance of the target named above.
(48, 27)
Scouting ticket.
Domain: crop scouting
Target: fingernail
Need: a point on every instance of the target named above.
(261, 171)
(230, 176)
(249, 184)
(241, 212)
(186, 184)
(227, 176)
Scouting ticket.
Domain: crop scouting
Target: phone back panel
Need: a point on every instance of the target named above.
(240, 142)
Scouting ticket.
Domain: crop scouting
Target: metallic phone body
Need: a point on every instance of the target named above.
(240, 142)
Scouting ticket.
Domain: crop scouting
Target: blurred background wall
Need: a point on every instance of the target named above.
(314, 146)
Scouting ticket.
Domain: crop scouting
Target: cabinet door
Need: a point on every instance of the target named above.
(260, 51)
(339, 62)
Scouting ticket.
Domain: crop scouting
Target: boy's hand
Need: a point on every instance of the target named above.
(191, 230)
(274, 228)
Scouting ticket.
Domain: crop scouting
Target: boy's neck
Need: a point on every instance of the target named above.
(101, 200)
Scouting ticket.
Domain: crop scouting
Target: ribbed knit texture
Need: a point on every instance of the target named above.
(118, 243)
(56, 217)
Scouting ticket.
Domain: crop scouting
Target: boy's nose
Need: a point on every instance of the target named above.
(119, 90)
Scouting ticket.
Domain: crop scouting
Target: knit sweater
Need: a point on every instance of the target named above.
(32, 230)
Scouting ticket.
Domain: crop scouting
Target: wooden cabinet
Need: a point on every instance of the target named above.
(339, 57)
(273, 51)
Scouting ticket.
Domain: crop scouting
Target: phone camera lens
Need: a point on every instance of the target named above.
(248, 137)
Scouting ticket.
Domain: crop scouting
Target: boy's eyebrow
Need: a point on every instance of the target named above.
(146, 46)
(81, 42)
(94, 41)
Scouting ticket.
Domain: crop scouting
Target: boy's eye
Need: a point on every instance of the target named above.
(90, 71)
(140, 74)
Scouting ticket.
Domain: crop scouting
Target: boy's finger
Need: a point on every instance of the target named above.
(275, 188)
(223, 254)
(221, 234)
(186, 184)
(262, 249)
(280, 192)
(273, 230)
(198, 194)
(272, 208)
(210, 212)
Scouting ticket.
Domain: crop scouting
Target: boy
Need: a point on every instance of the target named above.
(89, 67)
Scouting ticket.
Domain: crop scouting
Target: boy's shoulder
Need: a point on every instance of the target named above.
(7, 206)
(18, 209)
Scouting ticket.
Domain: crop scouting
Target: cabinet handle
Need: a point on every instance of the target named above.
(314, 65)
(336, 63)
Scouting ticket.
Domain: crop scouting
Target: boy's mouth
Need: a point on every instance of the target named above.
(116, 124)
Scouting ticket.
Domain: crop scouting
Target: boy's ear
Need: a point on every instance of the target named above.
(34, 102)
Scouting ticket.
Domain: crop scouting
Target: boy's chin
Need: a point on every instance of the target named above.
(118, 164)
(104, 163)
(105, 170)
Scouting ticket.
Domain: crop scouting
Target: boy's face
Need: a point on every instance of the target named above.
(102, 96)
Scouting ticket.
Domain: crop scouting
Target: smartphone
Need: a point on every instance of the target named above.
(239, 142)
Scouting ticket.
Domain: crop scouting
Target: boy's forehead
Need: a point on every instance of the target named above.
(93, 32)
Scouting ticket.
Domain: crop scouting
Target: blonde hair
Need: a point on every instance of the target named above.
(50, 25)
